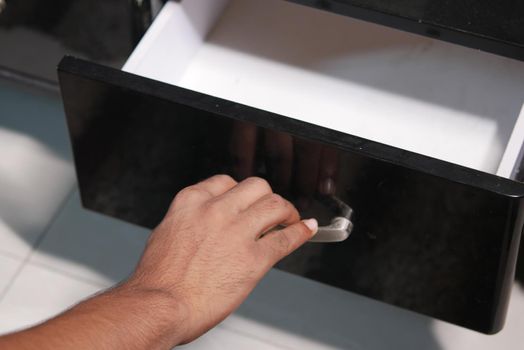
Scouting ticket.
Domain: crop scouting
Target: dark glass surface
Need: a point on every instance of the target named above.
(35, 34)
(429, 236)
(493, 26)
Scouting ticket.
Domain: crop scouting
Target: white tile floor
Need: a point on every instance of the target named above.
(53, 254)
(87, 245)
(38, 293)
(35, 167)
(8, 269)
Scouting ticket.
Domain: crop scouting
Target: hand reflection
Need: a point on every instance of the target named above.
(293, 166)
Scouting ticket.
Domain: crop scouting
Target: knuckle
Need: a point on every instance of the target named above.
(223, 178)
(190, 193)
(275, 201)
(259, 182)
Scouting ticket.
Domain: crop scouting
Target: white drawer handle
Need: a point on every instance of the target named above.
(340, 227)
(337, 231)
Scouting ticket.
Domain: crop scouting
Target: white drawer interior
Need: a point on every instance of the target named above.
(419, 94)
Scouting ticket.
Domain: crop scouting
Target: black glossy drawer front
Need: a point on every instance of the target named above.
(492, 26)
(429, 236)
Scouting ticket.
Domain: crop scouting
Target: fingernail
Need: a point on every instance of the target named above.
(312, 225)
(327, 187)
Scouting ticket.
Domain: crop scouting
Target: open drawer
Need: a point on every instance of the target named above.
(427, 138)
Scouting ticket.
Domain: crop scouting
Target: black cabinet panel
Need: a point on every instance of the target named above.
(493, 26)
(429, 236)
(35, 34)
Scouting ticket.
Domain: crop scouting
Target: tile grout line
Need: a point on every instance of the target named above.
(73, 276)
(37, 242)
(10, 255)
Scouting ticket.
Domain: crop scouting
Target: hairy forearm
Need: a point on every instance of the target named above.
(126, 317)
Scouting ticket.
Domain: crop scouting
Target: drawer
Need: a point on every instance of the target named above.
(427, 137)
(415, 93)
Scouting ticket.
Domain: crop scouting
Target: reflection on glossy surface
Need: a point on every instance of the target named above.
(35, 34)
(442, 247)
(292, 165)
(496, 19)
(494, 26)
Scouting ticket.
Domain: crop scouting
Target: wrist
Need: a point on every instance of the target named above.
(160, 310)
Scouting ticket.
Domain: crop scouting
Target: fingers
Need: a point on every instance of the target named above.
(328, 173)
(202, 192)
(279, 159)
(268, 212)
(217, 185)
(242, 149)
(280, 243)
(243, 195)
(307, 166)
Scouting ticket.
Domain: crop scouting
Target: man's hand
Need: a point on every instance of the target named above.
(214, 246)
(216, 242)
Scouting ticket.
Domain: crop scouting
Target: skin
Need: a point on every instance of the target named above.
(214, 245)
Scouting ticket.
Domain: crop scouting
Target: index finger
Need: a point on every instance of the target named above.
(243, 195)
(242, 149)
(217, 185)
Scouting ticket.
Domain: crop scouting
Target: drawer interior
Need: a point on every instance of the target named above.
(396, 88)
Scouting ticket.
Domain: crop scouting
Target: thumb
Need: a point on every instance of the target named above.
(280, 243)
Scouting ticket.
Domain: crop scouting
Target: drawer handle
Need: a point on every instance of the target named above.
(337, 231)
(340, 227)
